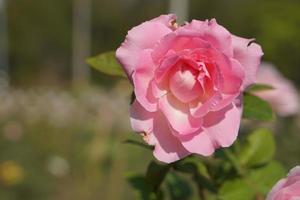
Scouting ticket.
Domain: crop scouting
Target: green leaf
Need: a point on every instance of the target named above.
(107, 64)
(259, 148)
(259, 87)
(178, 187)
(192, 165)
(138, 182)
(264, 178)
(236, 189)
(256, 108)
(156, 174)
(197, 168)
(257, 183)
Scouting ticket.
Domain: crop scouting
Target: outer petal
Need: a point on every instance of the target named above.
(199, 143)
(291, 192)
(177, 42)
(215, 34)
(294, 190)
(292, 180)
(142, 78)
(177, 114)
(156, 132)
(143, 36)
(233, 81)
(276, 189)
(168, 148)
(223, 125)
(142, 122)
(295, 171)
(293, 176)
(219, 129)
(249, 55)
(166, 20)
(287, 188)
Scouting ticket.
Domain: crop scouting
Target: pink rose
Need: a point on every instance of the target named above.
(287, 188)
(188, 82)
(283, 98)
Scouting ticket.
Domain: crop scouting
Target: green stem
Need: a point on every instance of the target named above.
(234, 162)
(201, 192)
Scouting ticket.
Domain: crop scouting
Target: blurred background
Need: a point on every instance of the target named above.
(63, 125)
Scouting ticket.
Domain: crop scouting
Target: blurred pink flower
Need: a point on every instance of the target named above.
(287, 188)
(188, 82)
(284, 97)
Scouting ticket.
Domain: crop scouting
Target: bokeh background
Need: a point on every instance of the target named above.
(63, 125)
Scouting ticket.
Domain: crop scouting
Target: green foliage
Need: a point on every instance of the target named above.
(199, 171)
(138, 182)
(256, 108)
(261, 172)
(156, 174)
(178, 187)
(148, 187)
(264, 178)
(232, 174)
(257, 183)
(259, 148)
(192, 164)
(236, 190)
(107, 64)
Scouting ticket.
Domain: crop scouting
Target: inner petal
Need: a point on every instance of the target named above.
(184, 84)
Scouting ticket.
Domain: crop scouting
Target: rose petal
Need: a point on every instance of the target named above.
(275, 189)
(218, 36)
(287, 188)
(184, 84)
(223, 125)
(216, 102)
(199, 143)
(168, 148)
(142, 121)
(219, 129)
(200, 107)
(291, 180)
(288, 193)
(233, 80)
(166, 20)
(294, 189)
(293, 176)
(295, 171)
(227, 74)
(142, 78)
(178, 116)
(143, 36)
(164, 68)
(249, 56)
(177, 42)
(159, 89)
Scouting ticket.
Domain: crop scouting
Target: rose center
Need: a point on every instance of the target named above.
(184, 84)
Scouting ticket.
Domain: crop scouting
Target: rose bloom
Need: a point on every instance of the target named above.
(287, 188)
(188, 82)
(283, 97)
